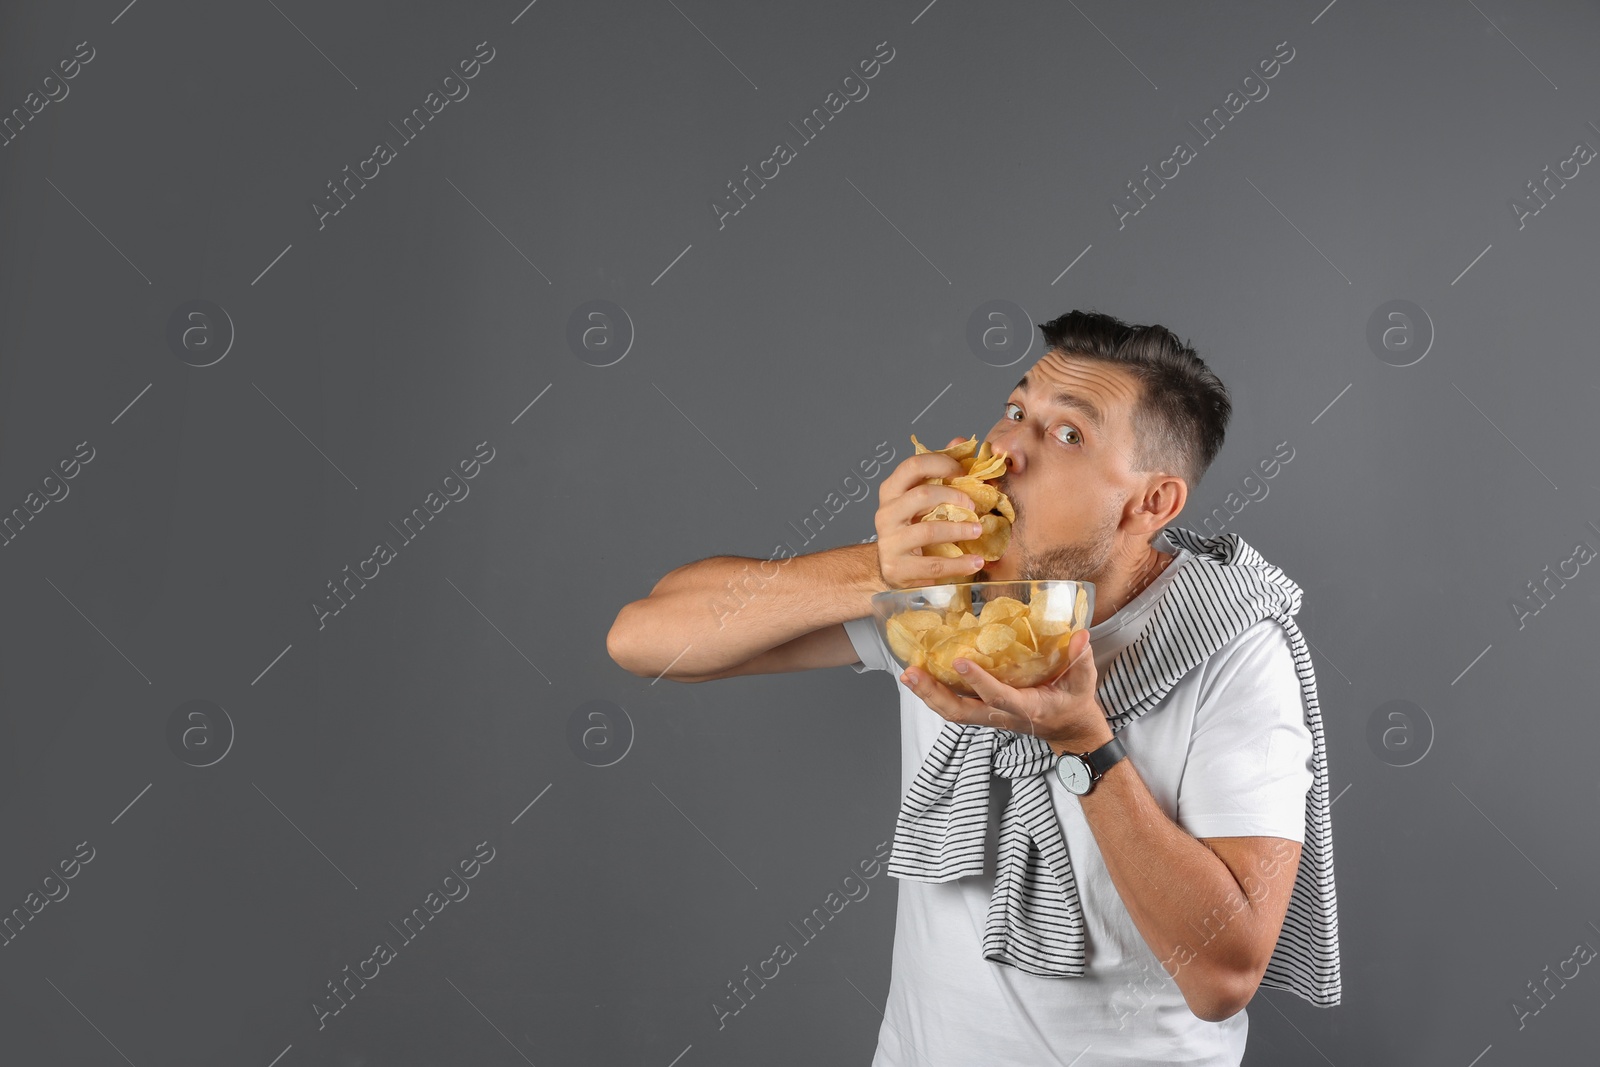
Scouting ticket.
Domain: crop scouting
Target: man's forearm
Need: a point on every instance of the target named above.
(1184, 900)
(717, 613)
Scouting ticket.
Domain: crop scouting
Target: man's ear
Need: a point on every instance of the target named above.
(1163, 500)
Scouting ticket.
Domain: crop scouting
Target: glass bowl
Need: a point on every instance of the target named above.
(1017, 631)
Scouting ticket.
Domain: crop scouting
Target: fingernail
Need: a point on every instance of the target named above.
(961, 665)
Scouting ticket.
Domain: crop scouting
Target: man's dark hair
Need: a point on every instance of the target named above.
(1183, 407)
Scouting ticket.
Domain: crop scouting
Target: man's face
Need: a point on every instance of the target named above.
(1068, 427)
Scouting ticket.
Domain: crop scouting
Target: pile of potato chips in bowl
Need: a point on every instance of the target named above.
(1017, 631)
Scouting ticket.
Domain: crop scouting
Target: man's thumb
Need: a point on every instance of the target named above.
(1076, 649)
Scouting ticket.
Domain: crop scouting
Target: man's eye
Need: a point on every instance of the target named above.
(1006, 413)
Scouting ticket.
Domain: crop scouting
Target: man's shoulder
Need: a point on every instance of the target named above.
(1258, 661)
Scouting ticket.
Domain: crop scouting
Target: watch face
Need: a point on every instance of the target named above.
(1073, 773)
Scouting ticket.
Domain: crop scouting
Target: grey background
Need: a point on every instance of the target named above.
(770, 357)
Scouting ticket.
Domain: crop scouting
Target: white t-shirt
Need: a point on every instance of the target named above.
(1225, 754)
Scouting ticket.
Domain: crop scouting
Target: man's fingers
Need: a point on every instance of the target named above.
(921, 499)
(991, 690)
(987, 709)
(949, 566)
(934, 693)
(903, 499)
(915, 470)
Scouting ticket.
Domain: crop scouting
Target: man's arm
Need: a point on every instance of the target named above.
(828, 647)
(1210, 909)
(707, 619)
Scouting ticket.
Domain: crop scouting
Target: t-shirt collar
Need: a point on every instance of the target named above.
(1136, 608)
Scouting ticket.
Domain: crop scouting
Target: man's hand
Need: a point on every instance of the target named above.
(903, 498)
(1064, 712)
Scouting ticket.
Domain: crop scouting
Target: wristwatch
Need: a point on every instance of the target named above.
(1080, 772)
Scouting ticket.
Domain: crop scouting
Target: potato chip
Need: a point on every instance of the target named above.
(996, 536)
(951, 513)
(984, 496)
(991, 467)
(990, 507)
(919, 620)
(942, 657)
(1025, 633)
(957, 599)
(981, 458)
(995, 637)
(1002, 608)
(963, 450)
(903, 641)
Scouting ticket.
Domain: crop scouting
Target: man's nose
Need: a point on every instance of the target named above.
(1004, 443)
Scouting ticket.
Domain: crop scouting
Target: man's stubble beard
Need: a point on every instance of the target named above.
(1083, 561)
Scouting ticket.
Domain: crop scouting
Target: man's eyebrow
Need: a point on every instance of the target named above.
(1064, 399)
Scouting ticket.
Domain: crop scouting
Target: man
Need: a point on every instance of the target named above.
(1184, 852)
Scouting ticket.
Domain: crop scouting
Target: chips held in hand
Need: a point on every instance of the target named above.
(990, 507)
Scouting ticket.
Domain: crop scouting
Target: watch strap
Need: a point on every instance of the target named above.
(1105, 757)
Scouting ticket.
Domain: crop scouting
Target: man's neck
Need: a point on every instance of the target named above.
(1113, 591)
